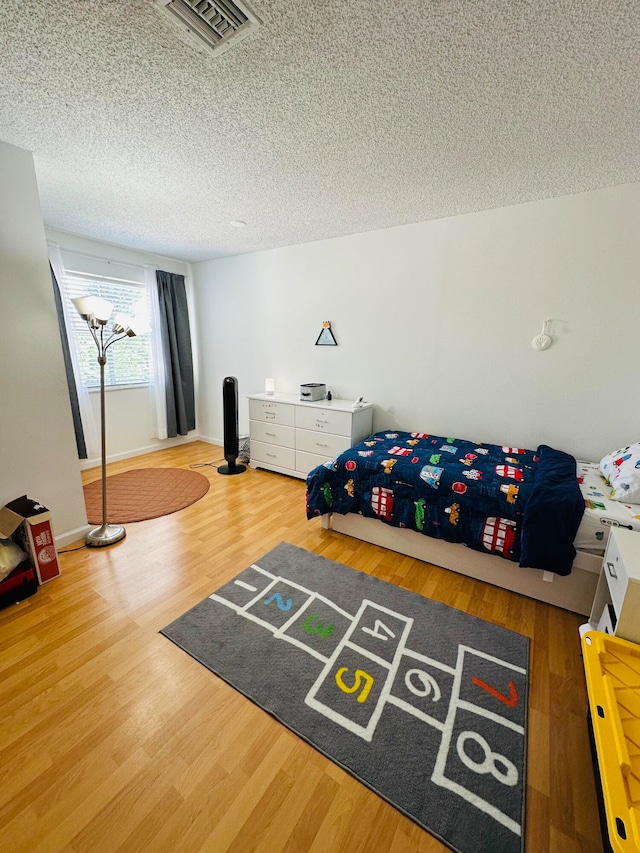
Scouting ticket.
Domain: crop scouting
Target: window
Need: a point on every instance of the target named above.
(129, 362)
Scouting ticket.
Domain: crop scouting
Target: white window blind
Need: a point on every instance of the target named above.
(128, 361)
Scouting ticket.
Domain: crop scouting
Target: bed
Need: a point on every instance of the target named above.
(505, 515)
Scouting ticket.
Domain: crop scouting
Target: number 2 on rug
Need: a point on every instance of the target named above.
(279, 601)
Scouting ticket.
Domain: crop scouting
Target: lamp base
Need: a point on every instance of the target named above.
(106, 534)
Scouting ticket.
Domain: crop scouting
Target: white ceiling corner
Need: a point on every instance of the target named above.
(332, 117)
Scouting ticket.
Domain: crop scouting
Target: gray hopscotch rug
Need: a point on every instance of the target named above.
(425, 704)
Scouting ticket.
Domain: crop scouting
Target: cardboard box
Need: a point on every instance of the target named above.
(29, 524)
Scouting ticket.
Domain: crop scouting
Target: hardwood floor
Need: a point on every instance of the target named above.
(112, 738)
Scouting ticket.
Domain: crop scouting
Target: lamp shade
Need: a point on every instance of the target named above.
(93, 306)
(102, 309)
(121, 323)
(83, 305)
(138, 325)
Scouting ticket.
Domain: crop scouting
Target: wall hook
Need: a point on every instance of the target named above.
(543, 340)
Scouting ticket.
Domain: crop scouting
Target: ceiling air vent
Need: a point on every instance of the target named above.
(208, 24)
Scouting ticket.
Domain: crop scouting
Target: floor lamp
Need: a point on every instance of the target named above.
(96, 311)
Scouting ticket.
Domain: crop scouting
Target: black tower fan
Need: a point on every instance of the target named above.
(230, 417)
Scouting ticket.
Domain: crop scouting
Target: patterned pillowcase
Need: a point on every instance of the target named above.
(622, 471)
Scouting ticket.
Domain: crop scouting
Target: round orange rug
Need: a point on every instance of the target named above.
(144, 493)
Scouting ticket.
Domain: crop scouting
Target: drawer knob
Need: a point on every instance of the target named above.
(273, 455)
(271, 433)
(318, 444)
(611, 570)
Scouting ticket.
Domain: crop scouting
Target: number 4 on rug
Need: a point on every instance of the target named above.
(380, 631)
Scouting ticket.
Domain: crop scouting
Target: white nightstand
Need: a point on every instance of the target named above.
(616, 606)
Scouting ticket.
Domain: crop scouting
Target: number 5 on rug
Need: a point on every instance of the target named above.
(360, 676)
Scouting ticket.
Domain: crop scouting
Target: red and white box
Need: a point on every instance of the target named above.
(29, 524)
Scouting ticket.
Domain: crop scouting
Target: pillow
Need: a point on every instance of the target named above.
(11, 555)
(622, 471)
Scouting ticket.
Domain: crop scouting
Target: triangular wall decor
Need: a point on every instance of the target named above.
(325, 338)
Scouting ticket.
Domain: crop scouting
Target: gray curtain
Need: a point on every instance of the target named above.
(71, 380)
(178, 360)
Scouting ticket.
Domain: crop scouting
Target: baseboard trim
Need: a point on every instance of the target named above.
(210, 440)
(85, 464)
(73, 535)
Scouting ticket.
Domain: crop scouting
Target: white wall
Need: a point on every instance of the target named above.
(37, 445)
(434, 323)
(130, 413)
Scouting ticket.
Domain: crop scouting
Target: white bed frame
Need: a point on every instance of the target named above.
(574, 592)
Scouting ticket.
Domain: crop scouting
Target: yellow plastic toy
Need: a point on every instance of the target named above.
(612, 668)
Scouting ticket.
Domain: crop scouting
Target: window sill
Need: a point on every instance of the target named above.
(95, 389)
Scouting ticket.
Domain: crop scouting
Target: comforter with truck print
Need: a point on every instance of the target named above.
(522, 505)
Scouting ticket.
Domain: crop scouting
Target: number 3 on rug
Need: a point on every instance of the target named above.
(323, 630)
(360, 676)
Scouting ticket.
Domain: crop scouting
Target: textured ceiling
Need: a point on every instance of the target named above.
(334, 117)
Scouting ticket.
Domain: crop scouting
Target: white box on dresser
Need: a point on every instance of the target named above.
(292, 436)
(616, 605)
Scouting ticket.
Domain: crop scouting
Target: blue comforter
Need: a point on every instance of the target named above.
(520, 504)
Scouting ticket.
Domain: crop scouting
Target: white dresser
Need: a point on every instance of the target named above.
(293, 437)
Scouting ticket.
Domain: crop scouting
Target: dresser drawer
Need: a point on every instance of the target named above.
(306, 462)
(271, 454)
(616, 573)
(271, 412)
(272, 433)
(323, 444)
(324, 420)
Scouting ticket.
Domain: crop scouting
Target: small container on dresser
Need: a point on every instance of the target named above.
(293, 437)
(616, 606)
